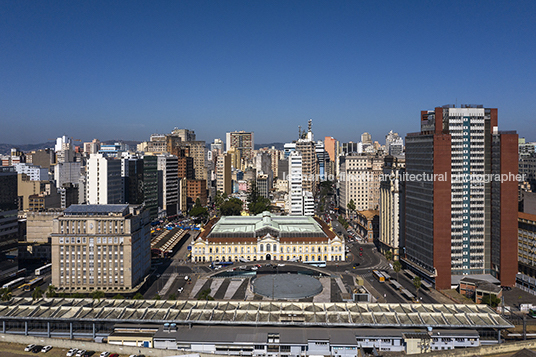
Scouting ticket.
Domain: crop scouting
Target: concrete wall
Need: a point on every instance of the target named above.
(94, 346)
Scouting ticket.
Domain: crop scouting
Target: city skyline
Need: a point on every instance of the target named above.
(127, 70)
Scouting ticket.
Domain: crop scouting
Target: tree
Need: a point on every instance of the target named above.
(198, 211)
(37, 293)
(219, 199)
(5, 294)
(97, 295)
(397, 266)
(231, 207)
(417, 283)
(118, 297)
(138, 296)
(157, 297)
(351, 206)
(172, 297)
(205, 295)
(491, 300)
(343, 222)
(51, 291)
(257, 203)
(389, 255)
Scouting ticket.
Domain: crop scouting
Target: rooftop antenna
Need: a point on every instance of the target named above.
(299, 132)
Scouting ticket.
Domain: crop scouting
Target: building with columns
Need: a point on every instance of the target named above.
(267, 237)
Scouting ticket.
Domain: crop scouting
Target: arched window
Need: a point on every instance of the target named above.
(274, 248)
(261, 248)
(267, 247)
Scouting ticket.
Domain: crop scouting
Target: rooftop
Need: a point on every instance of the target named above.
(95, 210)
(254, 313)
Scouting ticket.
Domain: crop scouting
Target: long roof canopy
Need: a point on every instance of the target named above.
(254, 313)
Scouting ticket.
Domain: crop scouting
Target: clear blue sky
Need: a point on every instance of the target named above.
(126, 69)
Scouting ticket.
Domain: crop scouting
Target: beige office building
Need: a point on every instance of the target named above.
(101, 247)
(267, 237)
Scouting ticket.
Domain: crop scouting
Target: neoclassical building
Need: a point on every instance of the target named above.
(267, 237)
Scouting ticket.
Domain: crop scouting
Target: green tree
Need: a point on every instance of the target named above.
(118, 297)
(343, 222)
(205, 295)
(231, 207)
(417, 283)
(198, 211)
(5, 294)
(37, 293)
(97, 295)
(157, 297)
(256, 203)
(51, 291)
(138, 296)
(397, 266)
(389, 255)
(351, 206)
(172, 297)
(491, 300)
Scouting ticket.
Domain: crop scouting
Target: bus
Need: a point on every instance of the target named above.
(379, 276)
(32, 284)
(13, 284)
(386, 276)
(396, 285)
(43, 270)
(317, 263)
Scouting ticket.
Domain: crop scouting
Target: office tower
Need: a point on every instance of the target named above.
(44, 158)
(217, 146)
(113, 150)
(263, 166)
(461, 216)
(104, 184)
(64, 149)
(196, 189)
(526, 148)
(151, 185)
(394, 144)
(295, 184)
(9, 228)
(223, 174)
(366, 138)
(331, 145)
(288, 148)
(307, 151)
(157, 143)
(184, 134)
(242, 141)
(92, 147)
(360, 181)
(352, 148)
(167, 164)
(101, 247)
(36, 195)
(527, 169)
(323, 160)
(392, 205)
(34, 173)
(67, 172)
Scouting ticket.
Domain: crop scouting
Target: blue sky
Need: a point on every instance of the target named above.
(127, 69)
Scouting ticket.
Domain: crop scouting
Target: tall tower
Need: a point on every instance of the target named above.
(459, 219)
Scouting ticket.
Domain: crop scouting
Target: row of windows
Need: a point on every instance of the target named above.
(84, 240)
(198, 250)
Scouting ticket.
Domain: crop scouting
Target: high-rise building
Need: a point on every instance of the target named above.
(101, 247)
(151, 185)
(64, 149)
(223, 174)
(104, 184)
(9, 228)
(461, 197)
(67, 172)
(366, 138)
(34, 172)
(184, 134)
(242, 141)
(392, 205)
(394, 144)
(92, 147)
(295, 184)
(167, 164)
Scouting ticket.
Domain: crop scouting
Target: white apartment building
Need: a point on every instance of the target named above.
(168, 165)
(104, 184)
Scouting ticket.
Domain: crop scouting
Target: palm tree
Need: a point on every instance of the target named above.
(397, 266)
(389, 255)
(417, 283)
(5, 294)
(37, 293)
(51, 291)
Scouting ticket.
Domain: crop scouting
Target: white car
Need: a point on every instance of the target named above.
(186, 277)
(280, 265)
(104, 354)
(46, 348)
(72, 352)
(29, 347)
(80, 353)
(180, 290)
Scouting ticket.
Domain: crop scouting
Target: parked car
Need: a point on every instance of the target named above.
(46, 349)
(186, 277)
(105, 354)
(37, 349)
(114, 355)
(71, 352)
(180, 290)
(29, 347)
(80, 353)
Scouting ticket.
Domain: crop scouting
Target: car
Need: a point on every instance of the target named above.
(186, 277)
(104, 354)
(80, 353)
(258, 265)
(280, 265)
(180, 290)
(360, 254)
(46, 349)
(29, 347)
(361, 248)
(114, 355)
(254, 268)
(37, 349)
(71, 352)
